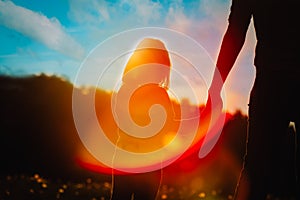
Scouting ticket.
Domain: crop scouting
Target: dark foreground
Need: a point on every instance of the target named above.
(38, 137)
(35, 187)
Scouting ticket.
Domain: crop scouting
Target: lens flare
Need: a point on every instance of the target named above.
(142, 123)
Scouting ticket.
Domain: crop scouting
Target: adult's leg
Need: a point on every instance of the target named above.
(266, 132)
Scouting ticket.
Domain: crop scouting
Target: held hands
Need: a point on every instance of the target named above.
(214, 103)
(212, 121)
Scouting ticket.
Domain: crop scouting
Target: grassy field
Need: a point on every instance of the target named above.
(35, 187)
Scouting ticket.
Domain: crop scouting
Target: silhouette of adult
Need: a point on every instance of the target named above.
(269, 165)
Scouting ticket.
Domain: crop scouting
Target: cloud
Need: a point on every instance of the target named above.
(215, 11)
(98, 12)
(91, 12)
(40, 28)
(177, 20)
(205, 21)
(145, 10)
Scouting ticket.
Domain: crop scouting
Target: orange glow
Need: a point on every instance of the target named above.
(149, 51)
(147, 72)
(142, 99)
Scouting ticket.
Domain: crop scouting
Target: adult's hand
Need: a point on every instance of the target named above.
(214, 103)
(210, 122)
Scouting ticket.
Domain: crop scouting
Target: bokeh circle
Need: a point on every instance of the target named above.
(191, 73)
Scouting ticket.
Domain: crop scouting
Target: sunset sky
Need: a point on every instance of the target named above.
(54, 36)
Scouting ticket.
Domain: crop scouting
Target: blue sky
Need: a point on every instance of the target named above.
(55, 36)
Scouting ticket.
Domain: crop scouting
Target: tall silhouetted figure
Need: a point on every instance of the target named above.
(270, 167)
